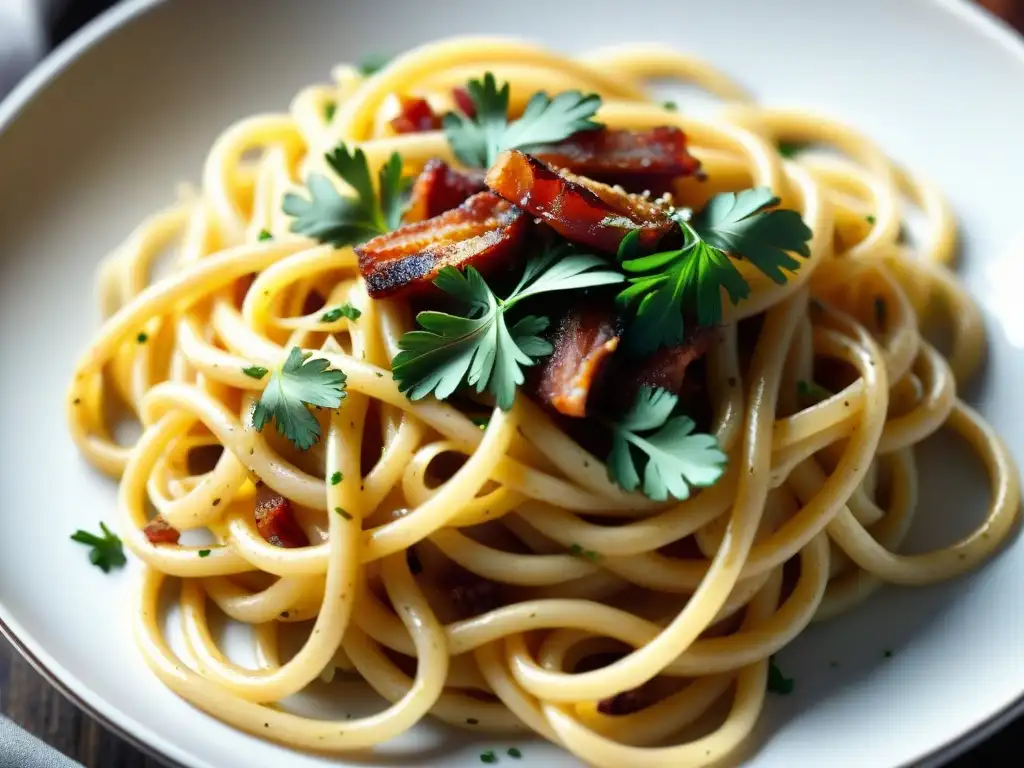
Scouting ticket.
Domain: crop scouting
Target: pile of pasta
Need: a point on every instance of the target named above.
(690, 598)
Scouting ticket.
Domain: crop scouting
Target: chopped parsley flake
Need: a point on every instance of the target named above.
(811, 392)
(345, 310)
(255, 371)
(778, 682)
(789, 149)
(579, 551)
(336, 478)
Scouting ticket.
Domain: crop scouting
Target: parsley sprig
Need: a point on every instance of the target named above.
(692, 277)
(481, 348)
(677, 459)
(299, 383)
(106, 551)
(330, 217)
(477, 140)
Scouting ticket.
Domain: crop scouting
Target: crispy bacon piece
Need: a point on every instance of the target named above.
(666, 368)
(463, 102)
(483, 232)
(584, 367)
(636, 160)
(159, 531)
(276, 521)
(416, 116)
(585, 340)
(439, 188)
(579, 209)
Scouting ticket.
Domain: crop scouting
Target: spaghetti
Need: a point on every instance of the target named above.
(828, 487)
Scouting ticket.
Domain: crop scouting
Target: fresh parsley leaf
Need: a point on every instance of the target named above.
(488, 756)
(336, 478)
(330, 108)
(677, 459)
(300, 382)
(480, 348)
(477, 140)
(790, 150)
(106, 551)
(578, 551)
(670, 106)
(778, 682)
(372, 63)
(514, 753)
(748, 224)
(344, 310)
(690, 279)
(330, 217)
(204, 553)
(811, 392)
(255, 371)
(142, 338)
(870, 219)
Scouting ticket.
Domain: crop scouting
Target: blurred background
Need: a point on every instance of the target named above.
(29, 29)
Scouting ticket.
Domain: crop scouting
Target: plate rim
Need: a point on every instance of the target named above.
(122, 724)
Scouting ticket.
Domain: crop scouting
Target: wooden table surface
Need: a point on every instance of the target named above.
(27, 699)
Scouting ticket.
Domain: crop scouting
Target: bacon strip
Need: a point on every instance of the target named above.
(579, 209)
(585, 368)
(159, 531)
(483, 232)
(416, 116)
(439, 188)
(585, 340)
(463, 101)
(637, 160)
(666, 368)
(276, 521)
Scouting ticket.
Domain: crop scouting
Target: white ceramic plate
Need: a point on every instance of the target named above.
(98, 137)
